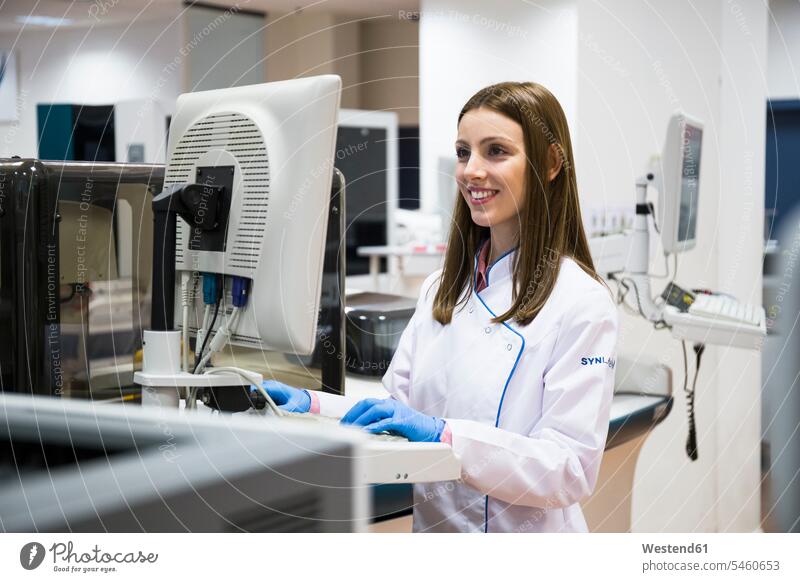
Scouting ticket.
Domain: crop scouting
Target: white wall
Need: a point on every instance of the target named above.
(99, 65)
(466, 45)
(739, 270)
(638, 63)
(784, 49)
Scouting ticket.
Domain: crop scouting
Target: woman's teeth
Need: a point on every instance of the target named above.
(481, 194)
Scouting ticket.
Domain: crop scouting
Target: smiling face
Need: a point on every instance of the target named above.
(516, 177)
(491, 168)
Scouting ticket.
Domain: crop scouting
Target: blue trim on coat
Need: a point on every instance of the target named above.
(508, 380)
(497, 260)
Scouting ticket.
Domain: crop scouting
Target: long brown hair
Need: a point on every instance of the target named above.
(550, 221)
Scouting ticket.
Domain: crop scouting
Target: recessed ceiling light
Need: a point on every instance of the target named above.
(50, 21)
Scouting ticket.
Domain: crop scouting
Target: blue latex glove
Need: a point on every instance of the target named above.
(286, 397)
(391, 415)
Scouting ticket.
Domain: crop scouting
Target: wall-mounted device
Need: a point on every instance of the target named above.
(677, 179)
(676, 176)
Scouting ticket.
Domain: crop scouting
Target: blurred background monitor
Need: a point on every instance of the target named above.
(367, 155)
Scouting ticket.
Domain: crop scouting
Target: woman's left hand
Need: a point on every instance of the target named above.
(390, 415)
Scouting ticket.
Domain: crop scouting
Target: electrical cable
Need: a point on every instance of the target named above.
(675, 271)
(220, 338)
(666, 269)
(239, 295)
(213, 293)
(201, 332)
(621, 296)
(660, 324)
(653, 214)
(192, 399)
(213, 285)
(691, 438)
(666, 255)
(187, 299)
(251, 379)
(208, 334)
(72, 291)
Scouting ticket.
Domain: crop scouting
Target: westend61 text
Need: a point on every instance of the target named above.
(670, 549)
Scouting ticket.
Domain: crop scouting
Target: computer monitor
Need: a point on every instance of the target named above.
(271, 149)
(678, 184)
(367, 155)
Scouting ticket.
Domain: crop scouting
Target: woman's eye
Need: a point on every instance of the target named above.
(461, 153)
(496, 150)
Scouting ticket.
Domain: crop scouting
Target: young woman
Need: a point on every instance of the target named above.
(510, 354)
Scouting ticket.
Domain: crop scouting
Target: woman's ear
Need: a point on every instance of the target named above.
(554, 162)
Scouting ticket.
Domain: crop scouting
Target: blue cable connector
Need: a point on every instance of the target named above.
(241, 287)
(210, 288)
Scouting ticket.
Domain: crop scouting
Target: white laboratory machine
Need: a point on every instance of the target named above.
(74, 466)
(702, 318)
(238, 252)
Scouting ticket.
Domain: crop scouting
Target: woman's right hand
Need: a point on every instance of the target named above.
(286, 397)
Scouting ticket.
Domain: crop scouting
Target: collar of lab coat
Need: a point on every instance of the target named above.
(500, 269)
(496, 297)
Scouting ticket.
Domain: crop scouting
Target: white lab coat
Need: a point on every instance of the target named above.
(528, 410)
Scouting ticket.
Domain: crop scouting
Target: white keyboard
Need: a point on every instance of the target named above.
(726, 308)
(393, 459)
(331, 420)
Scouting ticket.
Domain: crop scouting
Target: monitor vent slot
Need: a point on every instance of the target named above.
(241, 137)
(299, 513)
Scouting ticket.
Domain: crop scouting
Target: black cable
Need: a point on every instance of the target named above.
(690, 451)
(72, 292)
(660, 324)
(691, 439)
(620, 295)
(653, 214)
(208, 335)
(638, 300)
